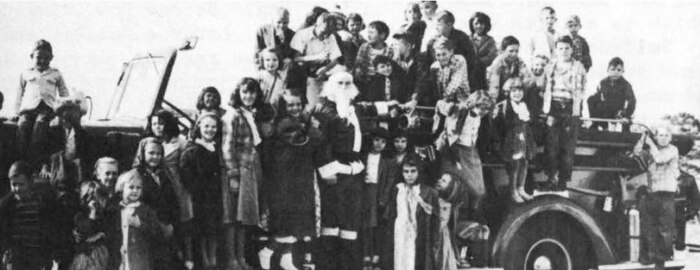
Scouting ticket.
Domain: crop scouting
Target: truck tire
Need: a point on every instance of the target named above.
(550, 240)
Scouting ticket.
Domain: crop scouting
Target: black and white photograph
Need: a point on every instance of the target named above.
(349, 135)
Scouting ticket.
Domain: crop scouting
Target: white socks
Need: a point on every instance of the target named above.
(286, 262)
(265, 255)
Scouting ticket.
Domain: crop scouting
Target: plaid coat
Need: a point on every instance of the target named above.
(242, 164)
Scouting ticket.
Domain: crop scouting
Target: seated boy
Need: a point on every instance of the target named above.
(614, 98)
(565, 83)
(385, 90)
(27, 219)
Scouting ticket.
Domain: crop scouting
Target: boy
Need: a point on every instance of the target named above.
(535, 88)
(379, 179)
(27, 217)
(565, 83)
(614, 98)
(276, 35)
(377, 33)
(542, 41)
(354, 40)
(428, 9)
(38, 87)
(462, 46)
(416, 66)
(385, 91)
(581, 52)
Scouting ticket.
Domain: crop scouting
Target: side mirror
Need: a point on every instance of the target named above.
(189, 43)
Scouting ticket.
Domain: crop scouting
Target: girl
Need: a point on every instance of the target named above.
(414, 24)
(201, 175)
(137, 224)
(90, 231)
(209, 101)
(241, 141)
(164, 126)
(158, 193)
(272, 77)
(518, 145)
(413, 215)
(507, 65)
(484, 45)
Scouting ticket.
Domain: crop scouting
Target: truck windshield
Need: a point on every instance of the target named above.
(136, 92)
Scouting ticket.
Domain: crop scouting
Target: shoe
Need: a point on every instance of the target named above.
(286, 262)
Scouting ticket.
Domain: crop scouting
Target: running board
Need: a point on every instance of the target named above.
(638, 266)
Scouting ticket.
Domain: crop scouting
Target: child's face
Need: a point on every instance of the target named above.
(428, 9)
(19, 184)
(443, 28)
(354, 26)
(270, 61)
(573, 27)
(378, 144)
(443, 56)
(410, 174)
(208, 127)
(248, 97)
(516, 93)
(153, 154)
(564, 50)
(210, 100)
(400, 144)
(374, 36)
(293, 106)
(133, 190)
(616, 72)
(538, 66)
(282, 21)
(443, 182)
(479, 27)
(512, 52)
(548, 18)
(42, 59)
(663, 137)
(157, 126)
(411, 16)
(384, 69)
(107, 174)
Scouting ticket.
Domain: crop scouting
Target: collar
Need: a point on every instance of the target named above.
(129, 205)
(211, 146)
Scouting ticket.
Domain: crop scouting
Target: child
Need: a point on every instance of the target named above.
(414, 24)
(91, 228)
(534, 93)
(582, 52)
(401, 149)
(275, 35)
(413, 216)
(428, 10)
(36, 95)
(355, 24)
(272, 78)
(385, 91)
(106, 173)
(452, 195)
(209, 101)
(507, 65)
(377, 32)
(484, 45)
(138, 225)
(542, 41)
(449, 72)
(241, 137)
(68, 145)
(201, 175)
(445, 21)
(296, 153)
(614, 98)
(566, 80)
(158, 193)
(378, 182)
(518, 145)
(27, 216)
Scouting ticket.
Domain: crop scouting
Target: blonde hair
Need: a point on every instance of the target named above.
(127, 177)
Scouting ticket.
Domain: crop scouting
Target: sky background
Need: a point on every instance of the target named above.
(658, 40)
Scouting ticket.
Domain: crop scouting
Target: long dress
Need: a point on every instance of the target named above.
(201, 175)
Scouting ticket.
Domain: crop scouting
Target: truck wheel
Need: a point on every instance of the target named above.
(550, 241)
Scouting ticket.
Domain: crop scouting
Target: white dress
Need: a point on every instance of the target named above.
(405, 227)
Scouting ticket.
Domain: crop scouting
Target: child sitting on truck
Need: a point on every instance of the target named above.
(614, 98)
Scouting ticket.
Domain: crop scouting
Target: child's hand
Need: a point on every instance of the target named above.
(135, 221)
(45, 172)
(233, 184)
(189, 265)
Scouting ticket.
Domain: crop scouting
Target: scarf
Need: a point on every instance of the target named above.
(520, 109)
(249, 117)
(211, 146)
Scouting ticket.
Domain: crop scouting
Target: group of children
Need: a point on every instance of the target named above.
(293, 137)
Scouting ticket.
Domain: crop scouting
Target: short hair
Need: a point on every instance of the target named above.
(249, 84)
(271, 50)
(20, 167)
(127, 177)
(574, 18)
(381, 59)
(541, 56)
(196, 132)
(313, 16)
(171, 127)
(483, 18)
(105, 160)
(445, 16)
(513, 82)
(564, 39)
(209, 89)
(415, 8)
(509, 41)
(432, 2)
(353, 17)
(549, 9)
(443, 43)
(43, 45)
(381, 28)
(616, 61)
(325, 18)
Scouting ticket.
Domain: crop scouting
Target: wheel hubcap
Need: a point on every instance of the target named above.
(548, 254)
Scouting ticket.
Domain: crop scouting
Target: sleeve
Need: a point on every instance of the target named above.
(188, 169)
(149, 222)
(587, 61)
(260, 45)
(362, 60)
(229, 148)
(471, 59)
(387, 181)
(546, 104)
(631, 101)
(335, 51)
(434, 221)
(20, 93)
(458, 81)
(663, 157)
(491, 52)
(390, 211)
(494, 79)
(580, 87)
(61, 86)
(4, 219)
(297, 44)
